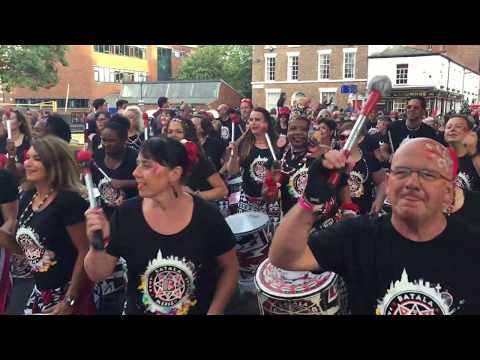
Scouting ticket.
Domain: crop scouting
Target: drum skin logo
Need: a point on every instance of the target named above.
(415, 298)
(168, 286)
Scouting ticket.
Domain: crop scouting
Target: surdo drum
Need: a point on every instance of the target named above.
(282, 292)
(250, 230)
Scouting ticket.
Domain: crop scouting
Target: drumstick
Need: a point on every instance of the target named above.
(145, 124)
(85, 158)
(379, 86)
(9, 125)
(103, 172)
(235, 120)
(270, 146)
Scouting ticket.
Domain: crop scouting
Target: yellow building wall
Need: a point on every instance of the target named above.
(120, 62)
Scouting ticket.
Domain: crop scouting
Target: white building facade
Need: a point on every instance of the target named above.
(445, 83)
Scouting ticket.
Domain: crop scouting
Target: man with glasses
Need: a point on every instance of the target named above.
(412, 127)
(415, 261)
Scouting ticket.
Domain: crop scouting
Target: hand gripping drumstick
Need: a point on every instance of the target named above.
(85, 158)
(379, 86)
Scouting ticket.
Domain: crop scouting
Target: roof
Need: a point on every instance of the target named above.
(192, 92)
(406, 51)
(398, 51)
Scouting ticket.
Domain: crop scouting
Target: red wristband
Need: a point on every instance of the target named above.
(304, 204)
(351, 206)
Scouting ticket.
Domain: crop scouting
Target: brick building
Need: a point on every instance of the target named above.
(319, 71)
(468, 55)
(96, 71)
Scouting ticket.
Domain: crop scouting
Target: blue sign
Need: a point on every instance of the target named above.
(348, 89)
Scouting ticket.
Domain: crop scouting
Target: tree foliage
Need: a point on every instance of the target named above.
(31, 66)
(231, 63)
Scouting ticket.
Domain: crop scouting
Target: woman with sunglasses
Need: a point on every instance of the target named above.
(178, 248)
(366, 177)
(249, 155)
(204, 180)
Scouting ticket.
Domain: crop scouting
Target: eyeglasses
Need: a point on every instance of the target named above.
(403, 173)
(343, 137)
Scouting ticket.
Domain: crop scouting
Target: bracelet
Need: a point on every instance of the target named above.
(350, 207)
(304, 204)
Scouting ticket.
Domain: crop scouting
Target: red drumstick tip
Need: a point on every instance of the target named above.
(84, 156)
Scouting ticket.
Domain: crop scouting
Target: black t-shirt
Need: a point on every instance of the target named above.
(202, 170)
(8, 190)
(399, 132)
(467, 177)
(214, 149)
(20, 150)
(469, 212)
(254, 171)
(226, 131)
(108, 194)
(45, 235)
(96, 142)
(167, 273)
(361, 182)
(387, 273)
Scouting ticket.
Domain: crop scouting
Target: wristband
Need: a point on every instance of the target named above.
(350, 207)
(304, 204)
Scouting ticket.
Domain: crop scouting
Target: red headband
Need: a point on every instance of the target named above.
(248, 101)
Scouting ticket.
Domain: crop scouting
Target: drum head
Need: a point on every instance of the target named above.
(247, 222)
(281, 284)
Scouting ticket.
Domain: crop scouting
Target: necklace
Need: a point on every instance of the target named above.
(24, 219)
(412, 129)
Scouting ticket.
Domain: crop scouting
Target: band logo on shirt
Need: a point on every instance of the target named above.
(298, 182)
(40, 259)
(257, 169)
(225, 133)
(415, 298)
(168, 286)
(109, 194)
(464, 181)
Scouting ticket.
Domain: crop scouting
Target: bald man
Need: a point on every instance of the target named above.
(413, 261)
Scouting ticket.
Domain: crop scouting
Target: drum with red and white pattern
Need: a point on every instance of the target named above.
(282, 292)
(252, 246)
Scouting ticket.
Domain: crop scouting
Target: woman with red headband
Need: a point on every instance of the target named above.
(179, 249)
(204, 181)
(250, 153)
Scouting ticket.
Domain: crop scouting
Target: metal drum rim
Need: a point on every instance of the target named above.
(251, 231)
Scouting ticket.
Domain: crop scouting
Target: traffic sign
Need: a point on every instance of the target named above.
(348, 89)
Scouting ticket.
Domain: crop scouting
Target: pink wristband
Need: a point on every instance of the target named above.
(304, 204)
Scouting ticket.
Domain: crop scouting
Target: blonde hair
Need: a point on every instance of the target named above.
(138, 117)
(60, 164)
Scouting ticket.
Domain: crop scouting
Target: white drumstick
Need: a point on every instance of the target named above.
(270, 146)
(103, 172)
(9, 130)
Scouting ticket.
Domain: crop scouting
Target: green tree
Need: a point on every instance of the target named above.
(231, 63)
(31, 66)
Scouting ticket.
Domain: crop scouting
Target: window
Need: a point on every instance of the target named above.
(95, 73)
(271, 98)
(101, 74)
(323, 66)
(402, 74)
(429, 47)
(292, 70)
(399, 105)
(349, 64)
(328, 94)
(270, 62)
(117, 49)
